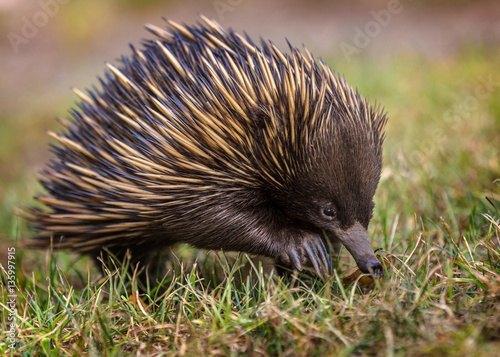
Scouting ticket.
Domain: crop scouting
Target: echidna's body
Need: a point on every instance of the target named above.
(203, 137)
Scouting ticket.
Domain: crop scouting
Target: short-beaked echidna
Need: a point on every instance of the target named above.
(206, 138)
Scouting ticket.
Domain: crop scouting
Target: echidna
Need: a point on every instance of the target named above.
(206, 138)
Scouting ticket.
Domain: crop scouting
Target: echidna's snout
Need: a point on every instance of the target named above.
(372, 267)
(356, 241)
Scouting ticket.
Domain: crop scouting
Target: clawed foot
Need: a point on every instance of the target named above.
(310, 250)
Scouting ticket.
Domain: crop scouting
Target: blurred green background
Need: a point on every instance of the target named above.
(432, 64)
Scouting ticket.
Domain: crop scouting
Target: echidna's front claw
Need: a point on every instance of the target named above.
(325, 258)
(313, 257)
(308, 249)
(295, 258)
(318, 255)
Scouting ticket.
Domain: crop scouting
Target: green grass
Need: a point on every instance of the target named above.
(437, 222)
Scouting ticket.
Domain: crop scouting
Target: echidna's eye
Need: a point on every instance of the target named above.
(328, 212)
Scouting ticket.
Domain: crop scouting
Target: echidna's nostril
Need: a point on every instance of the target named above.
(374, 268)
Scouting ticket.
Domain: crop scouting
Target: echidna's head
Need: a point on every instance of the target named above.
(335, 182)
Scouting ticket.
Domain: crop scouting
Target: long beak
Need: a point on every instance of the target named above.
(357, 243)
